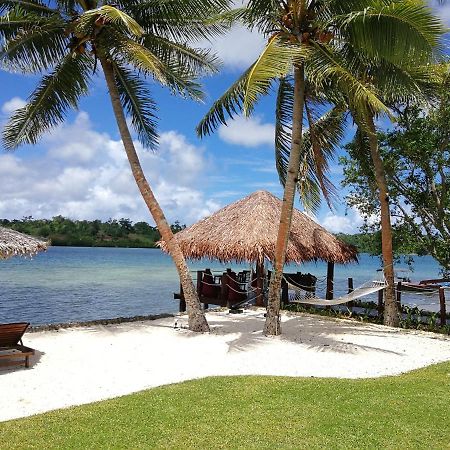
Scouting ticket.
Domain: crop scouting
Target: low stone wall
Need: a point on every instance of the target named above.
(58, 326)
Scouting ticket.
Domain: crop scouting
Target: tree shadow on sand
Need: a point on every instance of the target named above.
(244, 332)
(308, 331)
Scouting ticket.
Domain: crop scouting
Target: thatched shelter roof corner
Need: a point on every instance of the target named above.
(246, 230)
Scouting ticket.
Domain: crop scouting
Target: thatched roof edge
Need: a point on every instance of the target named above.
(14, 243)
(246, 230)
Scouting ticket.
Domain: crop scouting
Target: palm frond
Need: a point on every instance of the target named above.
(319, 144)
(323, 138)
(276, 61)
(70, 7)
(107, 15)
(227, 106)
(33, 6)
(180, 20)
(410, 28)
(177, 78)
(328, 64)
(35, 48)
(138, 104)
(198, 61)
(48, 105)
(307, 185)
(283, 126)
(16, 20)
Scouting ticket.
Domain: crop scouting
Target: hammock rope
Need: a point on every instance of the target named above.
(308, 297)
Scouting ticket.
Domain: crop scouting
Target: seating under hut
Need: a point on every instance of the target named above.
(246, 231)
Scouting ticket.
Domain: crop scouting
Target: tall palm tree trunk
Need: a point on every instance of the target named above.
(197, 320)
(272, 326)
(391, 311)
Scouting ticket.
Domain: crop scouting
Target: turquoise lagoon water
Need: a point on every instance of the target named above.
(77, 284)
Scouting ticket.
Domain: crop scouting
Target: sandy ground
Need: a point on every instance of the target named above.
(81, 365)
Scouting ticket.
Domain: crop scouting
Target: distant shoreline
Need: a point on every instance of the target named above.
(106, 245)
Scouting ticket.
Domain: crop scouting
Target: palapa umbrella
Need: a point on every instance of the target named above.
(246, 230)
(13, 243)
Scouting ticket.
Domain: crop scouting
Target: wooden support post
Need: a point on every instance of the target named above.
(199, 282)
(259, 284)
(224, 290)
(182, 306)
(284, 292)
(399, 297)
(380, 302)
(330, 280)
(443, 312)
(350, 289)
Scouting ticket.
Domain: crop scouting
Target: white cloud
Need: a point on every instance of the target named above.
(11, 105)
(239, 48)
(249, 132)
(84, 174)
(443, 11)
(348, 223)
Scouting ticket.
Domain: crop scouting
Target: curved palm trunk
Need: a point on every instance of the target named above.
(391, 312)
(272, 326)
(197, 319)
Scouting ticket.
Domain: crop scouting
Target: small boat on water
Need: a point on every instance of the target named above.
(430, 286)
(421, 286)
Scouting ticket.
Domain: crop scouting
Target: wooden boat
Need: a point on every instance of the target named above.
(419, 287)
(403, 276)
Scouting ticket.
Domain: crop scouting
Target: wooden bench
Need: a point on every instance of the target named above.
(11, 346)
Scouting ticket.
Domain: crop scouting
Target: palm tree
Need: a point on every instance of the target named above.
(400, 82)
(131, 40)
(312, 51)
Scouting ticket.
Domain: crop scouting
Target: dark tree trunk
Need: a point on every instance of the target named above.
(391, 312)
(272, 326)
(196, 317)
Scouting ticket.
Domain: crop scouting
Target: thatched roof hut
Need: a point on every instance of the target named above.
(247, 231)
(13, 243)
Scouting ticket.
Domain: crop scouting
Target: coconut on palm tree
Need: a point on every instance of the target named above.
(68, 40)
(313, 50)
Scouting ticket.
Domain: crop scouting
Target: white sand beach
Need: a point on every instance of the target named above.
(85, 364)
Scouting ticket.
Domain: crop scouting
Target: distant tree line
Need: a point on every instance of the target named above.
(90, 233)
(124, 233)
(370, 242)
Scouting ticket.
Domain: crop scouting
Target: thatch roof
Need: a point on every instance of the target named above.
(13, 243)
(247, 231)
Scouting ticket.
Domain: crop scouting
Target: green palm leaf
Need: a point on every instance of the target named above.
(283, 127)
(48, 105)
(17, 20)
(105, 15)
(329, 65)
(275, 61)
(32, 49)
(138, 104)
(409, 27)
(179, 20)
(228, 105)
(198, 61)
(124, 50)
(32, 6)
(319, 143)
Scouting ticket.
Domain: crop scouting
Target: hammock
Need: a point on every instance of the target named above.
(303, 296)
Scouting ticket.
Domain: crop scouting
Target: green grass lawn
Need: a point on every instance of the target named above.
(408, 411)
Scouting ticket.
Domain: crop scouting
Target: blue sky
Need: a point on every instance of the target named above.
(80, 170)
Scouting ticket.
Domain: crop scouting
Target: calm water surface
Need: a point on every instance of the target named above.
(76, 284)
